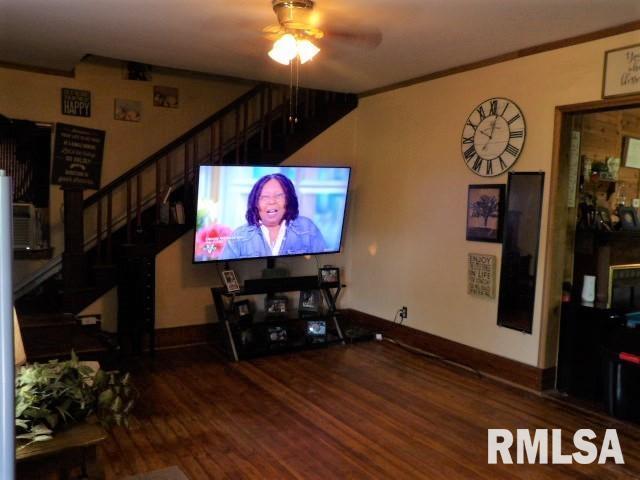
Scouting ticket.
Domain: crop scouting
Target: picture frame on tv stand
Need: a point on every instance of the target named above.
(275, 306)
(242, 310)
(310, 301)
(329, 275)
(230, 281)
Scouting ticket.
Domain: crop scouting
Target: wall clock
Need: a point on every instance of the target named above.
(493, 137)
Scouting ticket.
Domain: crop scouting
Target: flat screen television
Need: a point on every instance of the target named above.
(260, 212)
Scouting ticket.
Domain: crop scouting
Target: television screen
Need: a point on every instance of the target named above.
(259, 211)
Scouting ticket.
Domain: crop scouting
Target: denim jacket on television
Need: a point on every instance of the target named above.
(301, 237)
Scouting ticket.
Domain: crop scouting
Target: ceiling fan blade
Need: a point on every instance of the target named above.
(363, 37)
(272, 32)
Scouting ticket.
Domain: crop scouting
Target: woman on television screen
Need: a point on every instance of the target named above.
(274, 226)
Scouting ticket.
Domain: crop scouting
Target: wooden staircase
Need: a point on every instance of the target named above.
(255, 129)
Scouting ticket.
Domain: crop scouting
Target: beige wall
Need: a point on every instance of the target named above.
(408, 233)
(33, 96)
(405, 236)
(183, 289)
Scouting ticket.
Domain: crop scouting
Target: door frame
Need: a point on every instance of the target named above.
(557, 224)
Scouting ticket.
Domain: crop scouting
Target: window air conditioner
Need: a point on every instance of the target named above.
(25, 227)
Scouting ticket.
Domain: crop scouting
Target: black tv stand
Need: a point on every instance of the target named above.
(235, 334)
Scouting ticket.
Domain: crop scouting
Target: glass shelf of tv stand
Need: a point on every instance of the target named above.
(252, 340)
(260, 318)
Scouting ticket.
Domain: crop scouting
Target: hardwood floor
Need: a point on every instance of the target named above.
(368, 410)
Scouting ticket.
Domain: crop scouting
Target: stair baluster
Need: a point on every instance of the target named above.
(99, 232)
(128, 210)
(109, 226)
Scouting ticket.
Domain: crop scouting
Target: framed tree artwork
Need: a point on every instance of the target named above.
(485, 204)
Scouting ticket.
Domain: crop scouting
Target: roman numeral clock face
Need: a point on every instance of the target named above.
(493, 137)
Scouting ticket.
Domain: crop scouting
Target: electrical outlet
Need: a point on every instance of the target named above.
(403, 312)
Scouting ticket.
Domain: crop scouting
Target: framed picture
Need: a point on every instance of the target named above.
(277, 335)
(310, 301)
(127, 110)
(329, 275)
(230, 281)
(628, 218)
(242, 311)
(242, 308)
(485, 204)
(165, 97)
(76, 103)
(631, 152)
(275, 305)
(481, 275)
(620, 76)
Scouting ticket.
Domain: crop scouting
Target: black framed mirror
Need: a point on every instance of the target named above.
(520, 250)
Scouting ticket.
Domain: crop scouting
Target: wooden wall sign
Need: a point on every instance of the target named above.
(481, 280)
(76, 103)
(621, 72)
(77, 156)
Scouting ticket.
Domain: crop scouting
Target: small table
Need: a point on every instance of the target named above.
(72, 448)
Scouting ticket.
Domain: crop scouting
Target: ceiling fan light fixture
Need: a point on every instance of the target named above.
(284, 49)
(307, 50)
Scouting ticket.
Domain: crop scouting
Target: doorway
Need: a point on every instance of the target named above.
(593, 226)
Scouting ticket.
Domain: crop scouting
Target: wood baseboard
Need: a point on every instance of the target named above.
(502, 368)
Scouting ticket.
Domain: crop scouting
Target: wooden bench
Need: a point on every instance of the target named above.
(70, 449)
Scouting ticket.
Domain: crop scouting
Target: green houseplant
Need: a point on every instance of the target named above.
(54, 395)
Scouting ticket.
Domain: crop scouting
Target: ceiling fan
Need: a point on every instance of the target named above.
(299, 25)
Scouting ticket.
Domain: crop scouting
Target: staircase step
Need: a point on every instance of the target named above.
(56, 336)
(43, 320)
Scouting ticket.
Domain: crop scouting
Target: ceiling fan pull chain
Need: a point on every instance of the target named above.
(297, 87)
(291, 91)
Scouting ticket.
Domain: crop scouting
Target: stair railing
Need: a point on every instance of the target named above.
(223, 138)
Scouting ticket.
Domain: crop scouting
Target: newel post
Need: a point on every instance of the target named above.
(74, 272)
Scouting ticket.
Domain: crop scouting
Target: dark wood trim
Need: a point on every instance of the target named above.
(525, 52)
(185, 335)
(554, 257)
(489, 364)
(167, 70)
(630, 101)
(548, 381)
(42, 70)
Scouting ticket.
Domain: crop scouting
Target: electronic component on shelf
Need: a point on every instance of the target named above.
(316, 331)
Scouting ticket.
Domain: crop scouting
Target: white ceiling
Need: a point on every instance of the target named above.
(224, 36)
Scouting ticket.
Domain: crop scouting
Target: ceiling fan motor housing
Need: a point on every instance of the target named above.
(294, 14)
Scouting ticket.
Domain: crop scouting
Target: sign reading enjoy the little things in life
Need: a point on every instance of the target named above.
(481, 279)
(621, 72)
